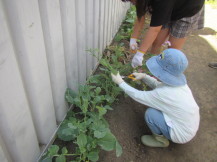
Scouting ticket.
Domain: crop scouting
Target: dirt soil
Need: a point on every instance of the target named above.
(127, 118)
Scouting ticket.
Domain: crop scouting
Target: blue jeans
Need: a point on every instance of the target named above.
(156, 122)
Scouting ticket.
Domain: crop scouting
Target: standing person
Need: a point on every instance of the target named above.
(170, 19)
(173, 113)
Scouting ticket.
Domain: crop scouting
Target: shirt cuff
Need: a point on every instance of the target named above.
(123, 85)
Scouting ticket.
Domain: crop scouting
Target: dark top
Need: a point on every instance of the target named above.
(171, 10)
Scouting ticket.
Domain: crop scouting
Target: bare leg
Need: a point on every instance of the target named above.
(177, 43)
(161, 38)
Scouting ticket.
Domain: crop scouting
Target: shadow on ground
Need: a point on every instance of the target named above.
(127, 118)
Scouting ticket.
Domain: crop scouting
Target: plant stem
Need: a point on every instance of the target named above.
(67, 155)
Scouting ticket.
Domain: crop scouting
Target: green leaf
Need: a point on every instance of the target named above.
(99, 128)
(108, 107)
(98, 124)
(105, 123)
(130, 20)
(98, 90)
(82, 150)
(84, 105)
(103, 69)
(104, 62)
(61, 158)
(70, 93)
(94, 79)
(119, 150)
(93, 155)
(98, 99)
(66, 134)
(69, 99)
(64, 150)
(72, 120)
(70, 114)
(82, 126)
(108, 142)
(121, 44)
(100, 134)
(53, 150)
(68, 131)
(102, 110)
(47, 159)
(92, 94)
(91, 87)
(89, 143)
(82, 140)
(118, 37)
(109, 99)
(77, 101)
(93, 116)
(89, 121)
(70, 125)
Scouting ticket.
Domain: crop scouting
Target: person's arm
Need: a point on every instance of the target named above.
(146, 43)
(143, 97)
(151, 82)
(149, 98)
(138, 27)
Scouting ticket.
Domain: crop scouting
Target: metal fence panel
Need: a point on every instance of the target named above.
(89, 11)
(43, 47)
(17, 132)
(69, 30)
(96, 36)
(4, 155)
(28, 42)
(51, 24)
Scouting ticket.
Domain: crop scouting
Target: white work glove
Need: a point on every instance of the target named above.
(139, 76)
(137, 59)
(133, 44)
(117, 78)
(166, 44)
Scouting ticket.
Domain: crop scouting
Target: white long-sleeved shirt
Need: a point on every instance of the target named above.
(177, 104)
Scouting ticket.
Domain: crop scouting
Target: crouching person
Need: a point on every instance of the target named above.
(173, 113)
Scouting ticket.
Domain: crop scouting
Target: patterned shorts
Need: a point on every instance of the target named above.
(183, 27)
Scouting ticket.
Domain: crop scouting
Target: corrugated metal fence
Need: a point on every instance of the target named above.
(42, 52)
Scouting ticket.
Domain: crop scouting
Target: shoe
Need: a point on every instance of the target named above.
(155, 140)
(213, 65)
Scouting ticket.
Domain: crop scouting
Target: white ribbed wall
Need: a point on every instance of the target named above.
(42, 52)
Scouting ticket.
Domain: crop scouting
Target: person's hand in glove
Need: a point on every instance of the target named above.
(137, 59)
(117, 78)
(133, 45)
(139, 76)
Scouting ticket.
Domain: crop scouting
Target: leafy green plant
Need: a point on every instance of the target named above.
(54, 152)
(86, 127)
(93, 130)
(120, 36)
(127, 26)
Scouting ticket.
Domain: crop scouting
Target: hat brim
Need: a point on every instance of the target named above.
(163, 75)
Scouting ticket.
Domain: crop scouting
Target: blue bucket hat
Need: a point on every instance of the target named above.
(169, 66)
